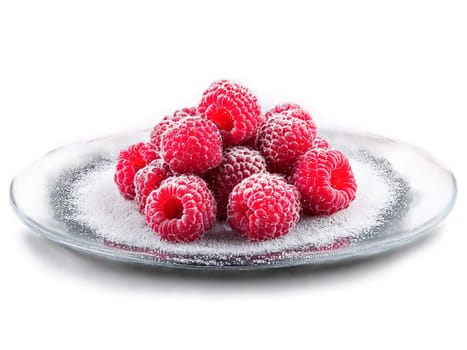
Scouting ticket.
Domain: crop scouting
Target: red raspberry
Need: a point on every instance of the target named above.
(263, 206)
(321, 143)
(129, 162)
(193, 145)
(325, 181)
(233, 108)
(291, 109)
(148, 179)
(238, 163)
(163, 125)
(282, 139)
(181, 209)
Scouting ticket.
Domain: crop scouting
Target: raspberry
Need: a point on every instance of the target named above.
(163, 125)
(325, 181)
(282, 139)
(263, 206)
(291, 109)
(321, 143)
(148, 179)
(181, 209)
(129, 161)
(238, 163)
(233, 108)
(193, 145)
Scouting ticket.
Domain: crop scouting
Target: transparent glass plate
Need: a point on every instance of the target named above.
(60, 197)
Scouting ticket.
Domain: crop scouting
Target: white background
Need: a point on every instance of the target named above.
(72, 70)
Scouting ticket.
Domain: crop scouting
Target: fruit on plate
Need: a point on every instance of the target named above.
(224, 160)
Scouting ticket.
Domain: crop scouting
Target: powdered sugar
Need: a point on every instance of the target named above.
(99, 206)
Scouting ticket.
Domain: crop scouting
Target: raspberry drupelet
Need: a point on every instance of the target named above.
(325, 181)
(181, 209)
(263, 206)
(233, 108)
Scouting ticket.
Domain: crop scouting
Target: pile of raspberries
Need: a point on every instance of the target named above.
(224, 159)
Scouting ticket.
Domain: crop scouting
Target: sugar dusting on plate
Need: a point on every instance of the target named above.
(99, 206)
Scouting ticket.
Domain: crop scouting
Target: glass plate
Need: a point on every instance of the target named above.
(60, 197)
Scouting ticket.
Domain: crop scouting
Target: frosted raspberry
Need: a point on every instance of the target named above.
(148, 179)
(181, 209)
(233, 108)
(263, 206)
(129, 161)
(282, 139)
(325, 181)
(192, 145)
(291, 109)
(321, 143)
(238, 163)
(168, 120)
